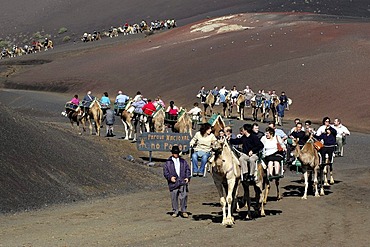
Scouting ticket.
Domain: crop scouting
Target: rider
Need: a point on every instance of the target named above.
(342, 132)
(248, 95)
(268, 100)
(251, 147)
(149, 109)
(172, 110)
(75, 100)
(216, 95)
(87, 100)
(121, 98)
(284, 99)
(195, 114)
(137, 96)
(234, 95)
(105, 103)
(259, 97)
(328, 137)
(203, 95)
(158, 101)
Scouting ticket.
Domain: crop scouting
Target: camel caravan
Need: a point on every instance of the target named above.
(264, 105)
(16, 51)
(128, 29)
(235, 163)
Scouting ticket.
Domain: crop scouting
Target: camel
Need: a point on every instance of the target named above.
(49, 45)
(240, 104)
(225, 169)
(126, 119)
(309, 159)
(95, 112)
(158, 120)
(256, 108)
(184, 123)
(75, 116)
(217, 124)
(210, 102)
(259, 186)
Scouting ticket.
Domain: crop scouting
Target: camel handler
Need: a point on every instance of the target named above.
(251, 147)
(177, 172)
(109, 121)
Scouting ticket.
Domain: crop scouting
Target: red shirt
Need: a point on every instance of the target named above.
(149, 108)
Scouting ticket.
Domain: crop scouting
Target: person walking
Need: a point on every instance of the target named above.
(177, 173)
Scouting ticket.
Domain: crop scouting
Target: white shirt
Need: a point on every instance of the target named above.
(195, 111)
(341, 130)
(176, 162)
(270, 145)
(223, 91)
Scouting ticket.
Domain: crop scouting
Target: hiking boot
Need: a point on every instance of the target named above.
(185, 215)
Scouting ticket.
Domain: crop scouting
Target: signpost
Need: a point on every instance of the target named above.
(163, 142)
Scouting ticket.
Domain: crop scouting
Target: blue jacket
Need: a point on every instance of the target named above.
(169, 171)
(329, 140)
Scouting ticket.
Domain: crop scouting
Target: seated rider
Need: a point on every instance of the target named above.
(149, 109)
(105, 103)
(172, 110)
(234, 95)
(75, 100)
(121, 99)
(195, 114)
(87, 100)
(259, 97)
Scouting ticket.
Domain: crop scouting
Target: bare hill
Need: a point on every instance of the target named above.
(42, 165)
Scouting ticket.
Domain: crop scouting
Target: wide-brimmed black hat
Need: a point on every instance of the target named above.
(175, 150)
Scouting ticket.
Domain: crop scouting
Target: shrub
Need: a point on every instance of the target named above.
(66, 38)
(4, 44)
(62, 30)
(37, 35)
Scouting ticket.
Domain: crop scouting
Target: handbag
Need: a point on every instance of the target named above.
(318, 145)
(279, 147)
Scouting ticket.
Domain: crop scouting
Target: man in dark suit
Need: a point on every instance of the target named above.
(177, 172)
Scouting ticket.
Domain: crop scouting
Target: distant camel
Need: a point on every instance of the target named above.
(95, 113)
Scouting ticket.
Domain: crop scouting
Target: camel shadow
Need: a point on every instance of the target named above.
(298, 190)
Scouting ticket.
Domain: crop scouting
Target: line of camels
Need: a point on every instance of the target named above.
(240, 105)
(224, 164)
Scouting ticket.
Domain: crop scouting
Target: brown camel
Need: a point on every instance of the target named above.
(126, 119)
(184, 123)
(158, 120)
(225, 170)
(95, 113)
(210, 102)
(309, 159)
(240, 104)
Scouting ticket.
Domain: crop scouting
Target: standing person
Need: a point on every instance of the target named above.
(280, 113)
(177, 173)
(272, 155)
(251, 145)
(149, 109)
(109, 121)
(284, 99)
(202, 143)
(342, 132)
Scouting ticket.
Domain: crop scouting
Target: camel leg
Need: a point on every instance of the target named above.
(305, 174)
(331, 178)
(326, 175)
(315, 182)
(277, 183)
(266, 193)
(247, 198)
(322, 193)
(229, 200)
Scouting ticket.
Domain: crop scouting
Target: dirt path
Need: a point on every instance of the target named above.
(341, 218)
